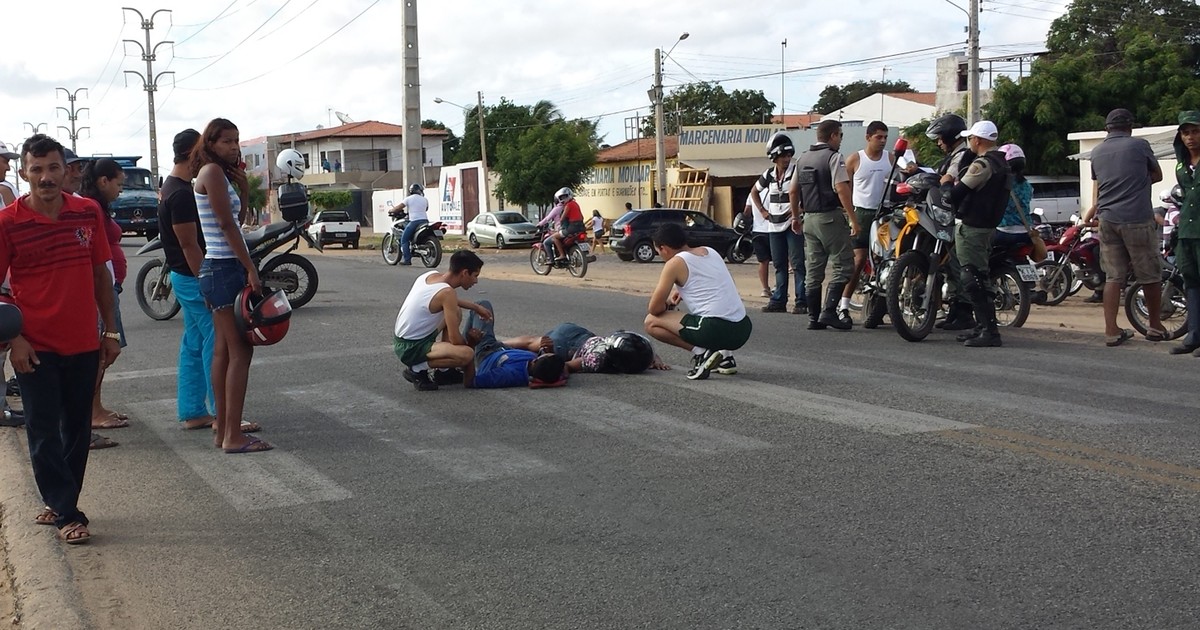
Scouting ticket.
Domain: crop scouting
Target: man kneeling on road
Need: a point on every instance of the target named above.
(716, 320)
(496, 365)
(432, 308)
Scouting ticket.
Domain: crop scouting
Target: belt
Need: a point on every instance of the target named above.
(822, 211)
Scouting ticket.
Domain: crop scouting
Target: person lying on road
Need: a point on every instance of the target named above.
(622, 352)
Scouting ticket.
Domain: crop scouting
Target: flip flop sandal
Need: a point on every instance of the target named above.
(99, 442)
(1156, 335)
(45, 517)
(113, 422)
(119, 416)
(1113, 342)
(74, 534)
(247, 427)
(255, 445)
(207, 425)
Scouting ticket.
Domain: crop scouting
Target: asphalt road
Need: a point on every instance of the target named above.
(840, 480)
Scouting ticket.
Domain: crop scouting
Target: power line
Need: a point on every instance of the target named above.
(235, 47)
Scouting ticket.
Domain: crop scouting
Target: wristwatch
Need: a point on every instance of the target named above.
(115, 336)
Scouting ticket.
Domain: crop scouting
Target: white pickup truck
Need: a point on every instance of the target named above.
(335, 226)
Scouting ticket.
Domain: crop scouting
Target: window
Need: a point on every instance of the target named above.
(698, 221)
(489, 220)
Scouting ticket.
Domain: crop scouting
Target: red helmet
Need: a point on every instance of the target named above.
(262, 319)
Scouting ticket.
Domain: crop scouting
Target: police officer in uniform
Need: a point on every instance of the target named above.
(979, 199)
(787, 247)
(947, 130)
(822, 209)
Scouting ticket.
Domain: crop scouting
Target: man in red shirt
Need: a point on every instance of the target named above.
(54, 246)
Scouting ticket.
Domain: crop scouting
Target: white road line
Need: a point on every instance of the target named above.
(259, 481)
(800, 402)
(464, 454)
(259, 360)
(644, 428)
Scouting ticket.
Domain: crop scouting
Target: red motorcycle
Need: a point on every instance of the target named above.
(578, 255)
(1071, 263)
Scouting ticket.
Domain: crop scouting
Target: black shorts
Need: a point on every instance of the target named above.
(762, 247)
(865, 217)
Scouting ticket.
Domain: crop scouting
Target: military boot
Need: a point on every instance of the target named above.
(829, 315)
(959, 318)
(985, 314)
(813, 299)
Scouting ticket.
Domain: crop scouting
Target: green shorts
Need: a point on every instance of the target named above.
(714, 333)
(413, 352)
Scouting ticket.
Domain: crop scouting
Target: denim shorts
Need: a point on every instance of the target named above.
(221, 280)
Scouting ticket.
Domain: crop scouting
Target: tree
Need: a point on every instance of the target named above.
(330, 199)
(505, 122)
(1142, 55)
(449, 145)
(835, 97)
(926, 150)
(709, 104)
(258, 194)
(542, 159)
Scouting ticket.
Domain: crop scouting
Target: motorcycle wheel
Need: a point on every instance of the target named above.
(430, 251)
(905, 294)
(1012, 297)
(577, 263)
(155, 294)
(739, 251)
(1057, 280)
(391, 249)
(292, 274)
(859, 298)
(1173, 311)
(876, 308)
(539, 261)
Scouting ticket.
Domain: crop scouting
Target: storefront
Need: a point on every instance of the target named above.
(624, 173)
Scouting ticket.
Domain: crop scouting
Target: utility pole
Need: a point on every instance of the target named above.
(973, 61)
(150, 82)
(782, 77)
(410, 98)
(72, 114)
(660, 147)
(487, 193)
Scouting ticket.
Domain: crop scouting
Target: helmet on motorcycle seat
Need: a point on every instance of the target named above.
(1015, 157)
(947, 127)
(627, 353)
(563, 195)
(1177, 194)
(780, 144)
(290, 163)
(262, 319)
(416, 189)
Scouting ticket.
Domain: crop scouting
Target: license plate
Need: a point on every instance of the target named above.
(341, 234)
(1028, 273)
(585, 248)
(439, 233)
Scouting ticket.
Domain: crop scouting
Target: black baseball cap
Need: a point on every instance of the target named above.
(183, 143)
(1119, 118)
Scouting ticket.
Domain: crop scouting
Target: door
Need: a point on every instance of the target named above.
(488, 228)
(470, 194)
(701, 231)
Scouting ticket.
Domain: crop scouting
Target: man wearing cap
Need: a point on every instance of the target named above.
(1187, 247)
(8, 193)
(1123, 169)
(979, 199)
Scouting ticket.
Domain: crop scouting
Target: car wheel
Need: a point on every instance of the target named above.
(473, 240)
(500, 242)
(354, 244)
(625, 257)
(644, 252)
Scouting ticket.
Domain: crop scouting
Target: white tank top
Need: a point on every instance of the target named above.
(709, 290)
(415, 320)
(869, 180)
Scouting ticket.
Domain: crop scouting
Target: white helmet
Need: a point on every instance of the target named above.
(563, 195)
(290, 163)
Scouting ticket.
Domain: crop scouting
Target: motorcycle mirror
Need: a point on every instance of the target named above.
(1040, 212)
(901, 162)
(1075, 218)
(901, 145)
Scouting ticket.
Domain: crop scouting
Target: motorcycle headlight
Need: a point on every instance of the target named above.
(941, 215)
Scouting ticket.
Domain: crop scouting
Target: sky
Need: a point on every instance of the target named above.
(280, 66)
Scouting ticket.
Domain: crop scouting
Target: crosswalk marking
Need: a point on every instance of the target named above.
(260, 481)
(648, 429)
(462, 453)
(259, 361)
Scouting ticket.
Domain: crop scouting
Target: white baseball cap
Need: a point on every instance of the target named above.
(7, 151)
(985, 129)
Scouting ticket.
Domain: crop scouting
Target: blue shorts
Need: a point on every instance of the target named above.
(568, 338)
(221, 280)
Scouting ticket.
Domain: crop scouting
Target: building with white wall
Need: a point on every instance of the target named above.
(895, 109)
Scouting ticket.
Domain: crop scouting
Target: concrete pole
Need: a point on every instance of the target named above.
(411, 162)
(973, 61)
(660, 149)
(487, 189)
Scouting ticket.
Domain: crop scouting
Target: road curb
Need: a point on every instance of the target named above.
(47, 597)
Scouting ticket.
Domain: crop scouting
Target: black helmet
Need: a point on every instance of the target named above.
(416, 189)
(947, 127)
(627, 353)
(780, 144)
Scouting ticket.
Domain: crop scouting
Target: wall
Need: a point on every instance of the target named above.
(949, 97)
(895, 112)
(446, 203)
(725, 141)
(610, 185)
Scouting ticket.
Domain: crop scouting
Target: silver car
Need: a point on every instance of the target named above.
(501, 229)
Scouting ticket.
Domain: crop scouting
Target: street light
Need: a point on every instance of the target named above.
(487, 195)
(34, 128)
(660, 159)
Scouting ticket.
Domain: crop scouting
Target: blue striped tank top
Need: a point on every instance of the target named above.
(214, 239)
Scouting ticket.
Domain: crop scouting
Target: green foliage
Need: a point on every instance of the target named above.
(709, 104)
(504, 124)
(449, 145)
(330, 199)
(258, 194)
(542, 159)
(926, 150)
(1141, 55)
(835, 97)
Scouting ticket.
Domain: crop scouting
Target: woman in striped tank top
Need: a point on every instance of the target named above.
(226, 270)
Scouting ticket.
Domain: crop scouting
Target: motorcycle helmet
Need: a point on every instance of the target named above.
(290, 163)
(627, 353)
(947, 127)
(1015, 158)
(780, 144)
(1176, 194)
(262, 319)
(563, 195)
(11, 321)
(416, 189)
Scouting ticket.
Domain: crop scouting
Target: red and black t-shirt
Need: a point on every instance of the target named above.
(51, 263)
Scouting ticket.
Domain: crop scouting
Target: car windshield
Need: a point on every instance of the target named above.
(333, 216)
(626, 218)
(508, 218)
(136, 179)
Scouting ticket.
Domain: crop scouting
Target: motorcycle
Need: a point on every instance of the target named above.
(1072, 262)
(923, 239)
(1172, 312)
(291, 273)
(742, 248)
(1012, 273)
(870, 294)
(578, 255)
(426, 241)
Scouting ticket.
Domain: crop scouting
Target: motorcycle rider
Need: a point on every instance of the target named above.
(947, 131)
(786, 246)
(979, 199)
(570, 222)
(1014, 227)
(418, 214)
(1187, 247)
(821, 189)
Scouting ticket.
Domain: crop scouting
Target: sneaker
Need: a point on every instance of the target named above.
(800, 309)
(13, 389)
(766, 293)
(405, 263)
(1096, 298)
(453, 376)
(727, 365)
(423, 382)
(702, 365)
(772, 307)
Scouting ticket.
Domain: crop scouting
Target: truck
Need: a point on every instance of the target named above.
(136, 209)
(335, 226)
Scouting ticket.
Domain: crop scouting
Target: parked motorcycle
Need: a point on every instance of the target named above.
(426, 241)
(1173, 311)
(924, 238)
(1071, 263)
(1012, 275)
(578, 255)
(870, 293)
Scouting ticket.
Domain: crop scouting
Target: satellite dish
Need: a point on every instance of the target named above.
(346, 120)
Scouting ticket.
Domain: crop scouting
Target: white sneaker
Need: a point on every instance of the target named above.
(727, 365)
(702, 365)
(766, 293)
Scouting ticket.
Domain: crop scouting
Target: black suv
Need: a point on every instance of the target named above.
(630, 238)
